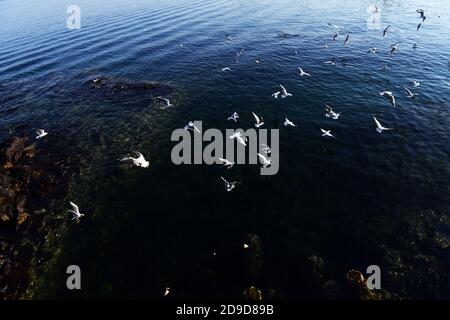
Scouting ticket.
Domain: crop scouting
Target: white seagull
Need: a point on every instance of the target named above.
(191, 126)
(303, 73)
(264, 161)
(288, 122)
(265, 148)
(284, 93)
(326, 133)
(416, 83)
(226, 163)
(76, 212)
(41, 133)
(259, 122)
(234, 117)
(410, 94)
(239, 138)
(330, 113)
(229, 185)
(166, 101)
(380, 128)
(138, 162)
(389, 95)
(226, 69)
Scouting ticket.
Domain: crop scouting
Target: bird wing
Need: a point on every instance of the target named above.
(409, 91)
(256, 117)
(379, 126)
(74, 207)
(283, 89)
(262, 158)
(224, 180)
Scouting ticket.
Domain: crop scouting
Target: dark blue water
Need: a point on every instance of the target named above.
(359, 200)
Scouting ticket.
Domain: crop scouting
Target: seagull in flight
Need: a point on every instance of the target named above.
(259, 122)
(330, 113)
(75, 211)
(226, 69)
(336, 35)
(239, 54)
(332, 62)
(326, 133)
(166, 101)
(386, 30)
(422, 14)
(138, 162)
(389, 95)
(347, 39)
(234, 117)
(288, 122)
(418, 26)
(394, 48)
(265, 148)
(380, 128)
(239, 138)
(41, 133)
(283, 93)
(338, 28)
(416, 83)
(229, 185)
(191, 126)
(264, 160)
(410, 94)
(303, 73)
(228, 164)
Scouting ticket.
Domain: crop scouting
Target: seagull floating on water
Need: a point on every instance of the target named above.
(303, 73)
(191, 126)
(380, 128)
(389, 95)
(326, 133)
(372, 50)
(41, 133)
(259, 122)
(287, 122)
(228, 164)
(75, 211)
(229, 185)
(239, 138)
(234, 117)
(264, 160)
(138, 162)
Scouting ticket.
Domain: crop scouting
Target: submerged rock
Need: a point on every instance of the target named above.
(120, 86)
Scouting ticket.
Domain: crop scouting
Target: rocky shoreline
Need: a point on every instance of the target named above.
(29, 180)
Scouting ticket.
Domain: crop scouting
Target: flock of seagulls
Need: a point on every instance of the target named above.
(139, 160)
